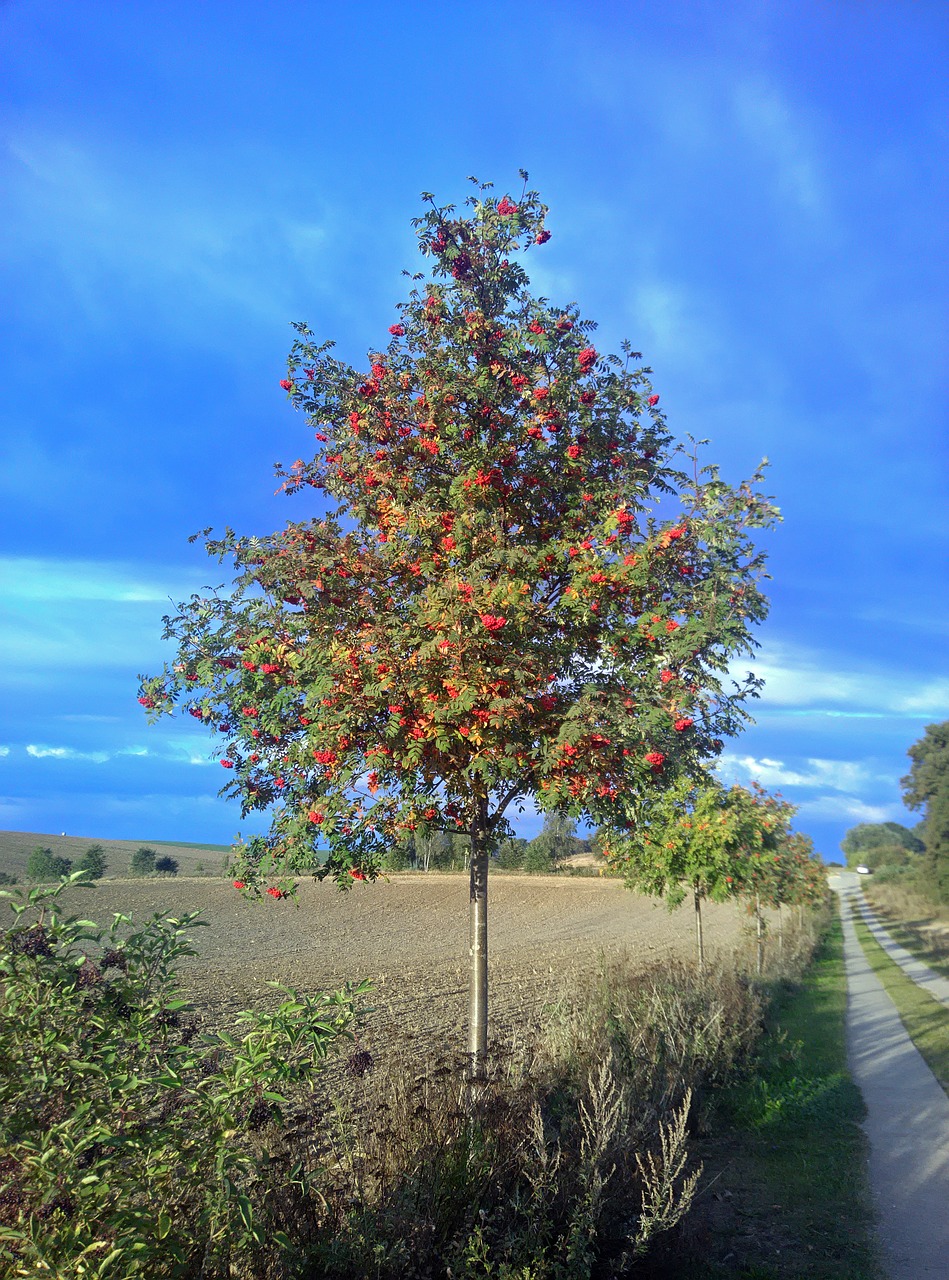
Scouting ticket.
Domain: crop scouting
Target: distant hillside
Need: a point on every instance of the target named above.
(15, 848)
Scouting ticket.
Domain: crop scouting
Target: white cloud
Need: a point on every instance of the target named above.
(838, 775)
(61, 614)
(35, 579)
(4, 751)
(670, 318)
(121, 226)
(66, 753)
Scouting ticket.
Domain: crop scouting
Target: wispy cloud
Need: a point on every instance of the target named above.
(847, 809)
(61, 614)
(172, 751)
(821, 790)
(43, 579)
(808, 681)
(122, 225)
(773, 127)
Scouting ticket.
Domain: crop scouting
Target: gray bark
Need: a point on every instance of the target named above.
(478, 881)
(699, 935)
(759, 925)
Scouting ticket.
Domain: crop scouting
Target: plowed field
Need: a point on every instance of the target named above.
(410, 937)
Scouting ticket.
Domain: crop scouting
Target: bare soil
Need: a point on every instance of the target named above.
(409, 936)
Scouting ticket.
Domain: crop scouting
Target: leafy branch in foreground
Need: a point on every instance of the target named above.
(131, 1143)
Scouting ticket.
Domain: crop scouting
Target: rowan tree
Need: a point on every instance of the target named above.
(712, 842)
(510, 584)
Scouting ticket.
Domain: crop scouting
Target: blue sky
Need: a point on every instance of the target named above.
(752, 193)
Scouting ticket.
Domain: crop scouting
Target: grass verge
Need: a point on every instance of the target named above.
(785, 1193)
(917, 936)
(925, 1019)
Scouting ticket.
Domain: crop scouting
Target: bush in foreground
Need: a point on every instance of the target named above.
(129, 1141)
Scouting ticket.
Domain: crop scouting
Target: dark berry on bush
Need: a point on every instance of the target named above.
(61, 1204)
(167, 1018)
(360, 1062)
(11, 1201)
(89, 1157)
(87, 975)
(30, 942)
(114, 958)
(259, 1114)
(121, 1008)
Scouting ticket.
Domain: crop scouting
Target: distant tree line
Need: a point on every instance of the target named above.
(43, 866)
(443, 851)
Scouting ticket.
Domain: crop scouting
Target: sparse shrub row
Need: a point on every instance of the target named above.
(137, 1144)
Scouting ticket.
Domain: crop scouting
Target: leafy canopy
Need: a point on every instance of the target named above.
(866, 836)
(511, 582)
(926, 787)
(703, 839)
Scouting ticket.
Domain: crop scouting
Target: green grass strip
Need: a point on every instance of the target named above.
(910, 938)
(925, 1019)
(786, 1194)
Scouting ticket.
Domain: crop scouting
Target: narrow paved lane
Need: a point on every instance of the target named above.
(933, 983)
(907, 1120)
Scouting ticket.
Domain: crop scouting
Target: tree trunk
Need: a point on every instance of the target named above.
(781, 927)
(760, 932)
(699, 937)
(478, 1014)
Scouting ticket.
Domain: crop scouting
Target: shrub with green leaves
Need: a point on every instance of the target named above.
(43, 866)
(142, 862)
(166, 866)
(132, 1144)
(92, 862)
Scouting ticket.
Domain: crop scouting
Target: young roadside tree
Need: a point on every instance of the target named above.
(764, 875)
(165, 865)
(704, 840)
(509, 590)
(803, 876)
